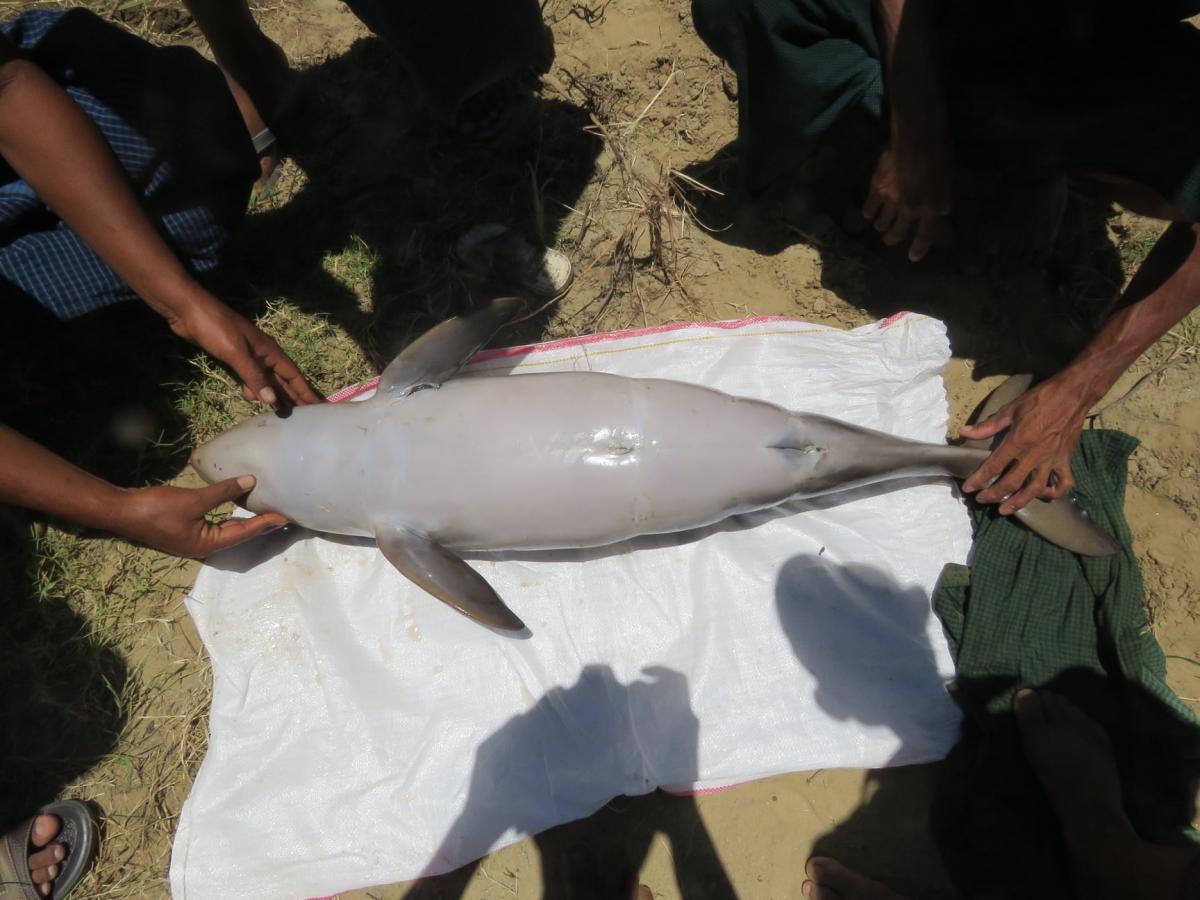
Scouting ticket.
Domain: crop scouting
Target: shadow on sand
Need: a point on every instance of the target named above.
(558, 761)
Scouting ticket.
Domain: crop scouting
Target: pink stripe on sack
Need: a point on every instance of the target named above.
(893, 318)
(355, 390)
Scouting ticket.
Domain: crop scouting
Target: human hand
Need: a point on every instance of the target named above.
(1033, 461)
(174, 519)
(267, 373)
(910, 192)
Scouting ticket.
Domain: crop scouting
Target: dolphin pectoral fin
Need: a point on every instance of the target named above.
(436, 355)
(436, 570)
(1065, 523)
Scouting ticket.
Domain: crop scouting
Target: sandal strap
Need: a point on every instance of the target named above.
(15, 883)
(77, 832)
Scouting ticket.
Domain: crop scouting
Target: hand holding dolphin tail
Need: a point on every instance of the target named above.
(1059, 520)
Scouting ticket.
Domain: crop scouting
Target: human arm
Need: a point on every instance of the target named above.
(67, 163)
(255, 67)
(1044, 425)
(167, 518)
(910, 190)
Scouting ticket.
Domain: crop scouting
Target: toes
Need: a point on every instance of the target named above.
(1028, 707)
(45, 875)
(830, 874)
(45, 829)
(48, 857)
(830, 880)
(814, 891)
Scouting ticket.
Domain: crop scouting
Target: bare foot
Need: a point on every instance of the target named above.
(1014, 224)
(45, 862)
(828, 879)
(1073, 760)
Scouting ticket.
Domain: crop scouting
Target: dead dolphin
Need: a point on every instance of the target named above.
(431, 465)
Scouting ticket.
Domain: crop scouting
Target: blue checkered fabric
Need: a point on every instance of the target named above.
(132, 92)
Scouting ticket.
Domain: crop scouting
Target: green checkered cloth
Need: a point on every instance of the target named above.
(1027, 613)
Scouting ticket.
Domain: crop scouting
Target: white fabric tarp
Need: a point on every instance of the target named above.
(793, 639)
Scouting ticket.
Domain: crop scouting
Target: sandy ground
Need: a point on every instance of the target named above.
(650, 246)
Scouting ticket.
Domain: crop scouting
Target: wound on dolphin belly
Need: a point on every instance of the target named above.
(612, 447)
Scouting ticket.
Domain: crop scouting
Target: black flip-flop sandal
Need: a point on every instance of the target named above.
(77, 832)
(502, 257)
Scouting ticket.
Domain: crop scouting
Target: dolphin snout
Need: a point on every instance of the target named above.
(201, 462)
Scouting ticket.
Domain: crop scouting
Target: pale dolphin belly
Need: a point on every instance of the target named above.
(573, 460)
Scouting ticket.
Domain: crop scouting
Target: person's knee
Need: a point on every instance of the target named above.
(719, 22)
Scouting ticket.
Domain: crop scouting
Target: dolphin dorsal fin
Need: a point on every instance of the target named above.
(439, 353)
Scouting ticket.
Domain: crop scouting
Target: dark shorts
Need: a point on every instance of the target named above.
(1033, 86)
(172, 123)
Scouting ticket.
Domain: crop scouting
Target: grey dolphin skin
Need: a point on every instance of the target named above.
(432, 464)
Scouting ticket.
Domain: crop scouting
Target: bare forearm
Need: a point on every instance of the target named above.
(231, 32)
(34, 478)
(1164, 291)
(70, 167)
(908, 39)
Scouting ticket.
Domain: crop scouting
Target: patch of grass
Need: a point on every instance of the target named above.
(1135, 238)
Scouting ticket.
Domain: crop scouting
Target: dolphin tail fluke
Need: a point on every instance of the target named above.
(436, 570)
(1062, 522)
(866, 456)
(1065, 523)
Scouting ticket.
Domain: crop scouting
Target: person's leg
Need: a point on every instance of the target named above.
(805, 70)
(176, 131)
(255, 67)
(1074, 763)
(472, 60)
(1071, 756)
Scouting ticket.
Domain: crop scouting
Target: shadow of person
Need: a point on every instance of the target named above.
(562, 761)
(384, 193)
(61, 683)
(867, 641)
(1020, 320)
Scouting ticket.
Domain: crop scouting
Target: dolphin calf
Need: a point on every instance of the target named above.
(432, 465)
